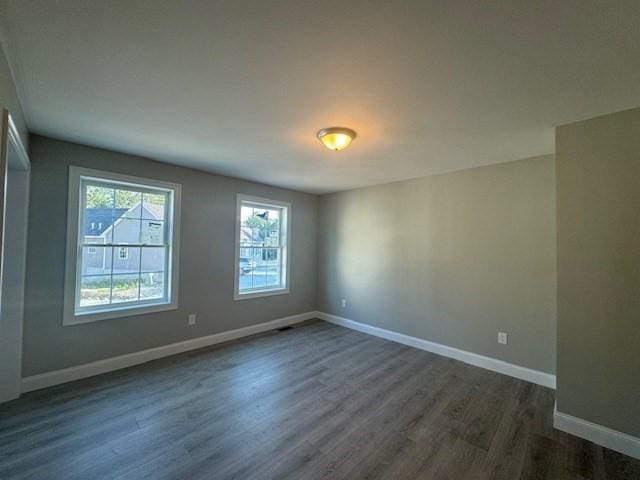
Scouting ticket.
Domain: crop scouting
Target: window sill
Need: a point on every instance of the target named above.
(260, 293)
(90, 317)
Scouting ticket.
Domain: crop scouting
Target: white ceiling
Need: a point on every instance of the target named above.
(241, 87)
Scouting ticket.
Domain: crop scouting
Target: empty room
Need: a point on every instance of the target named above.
(268, 240)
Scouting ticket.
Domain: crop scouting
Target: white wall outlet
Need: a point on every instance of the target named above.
(192, 319)
(502, 338)
(343, 302)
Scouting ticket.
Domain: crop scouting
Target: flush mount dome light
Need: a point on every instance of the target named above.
(336, 138)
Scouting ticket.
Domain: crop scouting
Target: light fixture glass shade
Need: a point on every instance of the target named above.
(336, 138)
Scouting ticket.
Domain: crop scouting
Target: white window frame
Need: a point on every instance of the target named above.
(124, 250)
(285, 235)
(71, 314)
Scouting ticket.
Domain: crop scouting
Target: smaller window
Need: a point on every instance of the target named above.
(123, 253)
(91, 250)
(262, 247)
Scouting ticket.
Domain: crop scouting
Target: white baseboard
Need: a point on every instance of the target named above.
(606, 437)
(523, 373)
(57, 377)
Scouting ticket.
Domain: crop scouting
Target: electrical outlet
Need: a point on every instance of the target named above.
(192, 319)
(343, 302)
(502, 338)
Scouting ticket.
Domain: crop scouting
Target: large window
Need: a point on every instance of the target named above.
(262, 241)
(121, 246)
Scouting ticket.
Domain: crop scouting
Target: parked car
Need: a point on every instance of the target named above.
(247, 264)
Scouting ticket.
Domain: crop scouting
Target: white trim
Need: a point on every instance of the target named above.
(74, 234)
(523, 373)
(603, 436)
(56, 377)
(285, 233)
(16, 143)
(261, 293)
(14, 177)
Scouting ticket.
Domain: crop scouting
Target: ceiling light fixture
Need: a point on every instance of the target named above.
(336, 138)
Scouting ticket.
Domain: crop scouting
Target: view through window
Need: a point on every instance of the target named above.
(262, 252)
(124, 248)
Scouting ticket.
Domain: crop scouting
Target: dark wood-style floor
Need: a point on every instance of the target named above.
(316, 401)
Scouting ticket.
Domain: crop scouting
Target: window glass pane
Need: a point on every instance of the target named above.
(270, 255)
(99, 197)
(105, 237)
(98, 239)
(245, 279)
(129, 201)
(153, 206)
(131, 217)
(96, 261)
(272, 236)
(152, 285)
(260, 226)
(260, 267)
(153, 259)
(256, 238)
(126, 260)
(247, 265)
(95, 290)
(97, 216)
(260, 276)
(245, 213)
(273, 277)
(126, 230)
(152, 232)
(124, 288)
(246, 236)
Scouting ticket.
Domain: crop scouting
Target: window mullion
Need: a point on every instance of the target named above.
(132, 245)
(281, 233)
(80, 240)
(111, 279)
(253, 257)
(140, 249)
(168, 251)
(139, 272)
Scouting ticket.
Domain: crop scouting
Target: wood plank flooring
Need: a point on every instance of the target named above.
(316, 401)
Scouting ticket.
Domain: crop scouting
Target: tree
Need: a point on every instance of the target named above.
(264, 225)
(100, 197)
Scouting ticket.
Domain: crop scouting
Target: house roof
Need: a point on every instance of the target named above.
(156, 211)
(97, 220)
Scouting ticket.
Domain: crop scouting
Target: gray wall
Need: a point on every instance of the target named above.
(206, 261)
(13, 282)
(598, 196)
(13, 254)
(451, 258)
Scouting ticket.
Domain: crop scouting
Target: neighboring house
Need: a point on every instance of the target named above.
(139, 224)
(259, 255)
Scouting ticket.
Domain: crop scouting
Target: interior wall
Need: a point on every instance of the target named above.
(450, 258)
(598, 198)
(13, 283)
(12, 294)
(207, 257)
